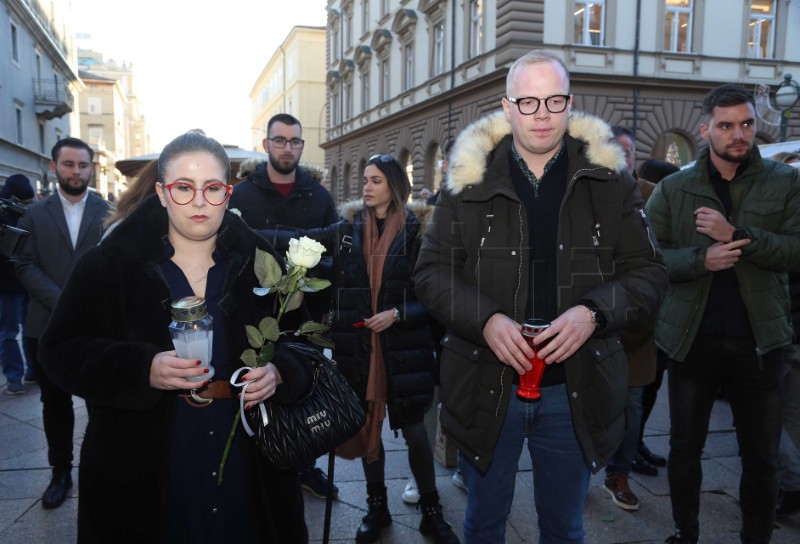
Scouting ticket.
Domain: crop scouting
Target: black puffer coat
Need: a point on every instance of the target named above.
(407, 345)
(794, 293)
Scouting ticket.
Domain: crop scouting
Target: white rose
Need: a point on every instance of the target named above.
(304, 252)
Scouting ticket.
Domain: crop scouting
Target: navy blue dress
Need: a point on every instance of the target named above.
(199, 510)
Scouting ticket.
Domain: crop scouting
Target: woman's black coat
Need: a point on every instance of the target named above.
(408, 344)
(111, 320)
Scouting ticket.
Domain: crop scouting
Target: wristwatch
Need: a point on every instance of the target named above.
(396, 314)
(595, 319)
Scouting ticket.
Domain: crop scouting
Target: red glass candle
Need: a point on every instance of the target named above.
(530, 381)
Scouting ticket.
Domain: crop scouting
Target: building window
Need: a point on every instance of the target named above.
(385, 79)
(335, 107)
(408, 66)
(348, 29)
(475, 27)
(761, 32)
(335, 42)
(365, 91)
(14, 44)
(590, 22)
(348, 100)
(673, 147)
(41, 137)
(678, 25)
(384, 7)
(95, 106)
(438, 49)
(364, 16)
(20, 139)
(96, 135)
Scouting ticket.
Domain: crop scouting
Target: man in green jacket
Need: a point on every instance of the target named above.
(729, 228)
(537, 219)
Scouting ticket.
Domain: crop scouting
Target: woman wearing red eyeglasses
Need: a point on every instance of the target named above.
(154, 440)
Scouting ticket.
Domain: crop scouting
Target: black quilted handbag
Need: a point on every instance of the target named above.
(295, 435)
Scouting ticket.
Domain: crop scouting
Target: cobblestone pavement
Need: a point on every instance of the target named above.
(24, 474)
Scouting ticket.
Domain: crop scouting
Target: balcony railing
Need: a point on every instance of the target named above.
(52, 98)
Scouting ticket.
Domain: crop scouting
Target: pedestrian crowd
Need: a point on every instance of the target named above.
(545, 251)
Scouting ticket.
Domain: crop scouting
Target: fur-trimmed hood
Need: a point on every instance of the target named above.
(250, 166)
(421, 210)
(468, 162)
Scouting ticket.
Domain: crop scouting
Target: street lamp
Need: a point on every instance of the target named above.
(786, 96)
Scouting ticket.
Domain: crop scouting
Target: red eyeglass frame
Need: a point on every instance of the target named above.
(228, 191)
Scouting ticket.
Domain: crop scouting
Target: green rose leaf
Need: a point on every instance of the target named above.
(266, 354)
(269, 328)
(254, 336)
(283, 284)
(294, 301)
(249, 357)
(312, 285)
(321, 341)
(267, 269)
(311, 327)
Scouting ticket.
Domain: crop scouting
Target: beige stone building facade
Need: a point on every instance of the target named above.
(293, 82)
(111, 119)
(405, 76)
(102, 109)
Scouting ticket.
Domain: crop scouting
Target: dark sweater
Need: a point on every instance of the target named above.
(542, 216)
(725, 313)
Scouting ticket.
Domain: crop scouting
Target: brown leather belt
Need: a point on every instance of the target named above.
(199, 398)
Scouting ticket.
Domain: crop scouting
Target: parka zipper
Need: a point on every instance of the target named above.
(502, 392)
(595, 234)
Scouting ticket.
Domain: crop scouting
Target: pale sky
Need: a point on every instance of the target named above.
(195, 62)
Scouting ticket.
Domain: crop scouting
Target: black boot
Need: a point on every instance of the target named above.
(377, 517)
(433, 523)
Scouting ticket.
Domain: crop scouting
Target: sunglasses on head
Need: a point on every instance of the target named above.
(382, 158)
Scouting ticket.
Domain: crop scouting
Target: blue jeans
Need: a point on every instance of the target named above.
(560, 473)
(623, 457)
(12, 315)
(753, 387)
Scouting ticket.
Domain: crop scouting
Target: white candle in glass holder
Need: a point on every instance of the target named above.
(192, 333)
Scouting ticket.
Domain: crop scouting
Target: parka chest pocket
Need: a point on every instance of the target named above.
(469, 378)
(764, 214)
(496, 264)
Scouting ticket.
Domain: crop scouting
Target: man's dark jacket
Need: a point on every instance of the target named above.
(262, 206)
(308, 205)
(9, 284)
(765, 197)
(475, 262)
(48, 257)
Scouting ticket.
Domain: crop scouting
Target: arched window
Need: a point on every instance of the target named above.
(433, 167)
(334, 179)
(346, 182)
(674, 147)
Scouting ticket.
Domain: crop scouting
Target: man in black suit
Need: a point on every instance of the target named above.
(62, 227)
